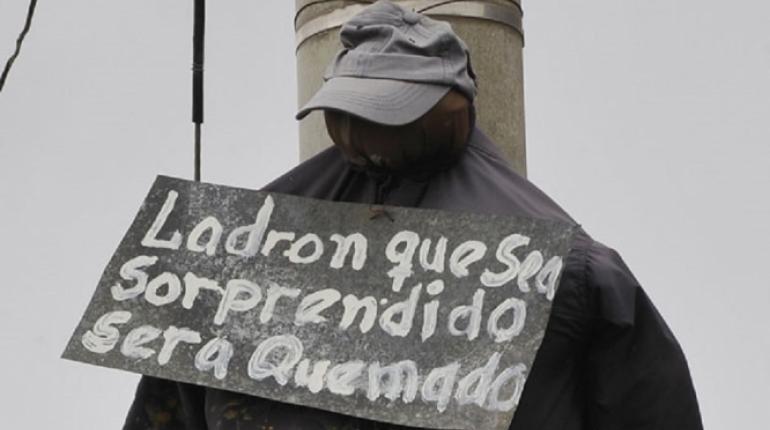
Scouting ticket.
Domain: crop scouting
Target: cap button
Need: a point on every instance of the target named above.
(411, 17)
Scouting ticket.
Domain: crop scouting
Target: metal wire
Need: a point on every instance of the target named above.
(19, 41)
(199, 30)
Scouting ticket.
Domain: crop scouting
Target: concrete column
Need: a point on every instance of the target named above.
(490, 28)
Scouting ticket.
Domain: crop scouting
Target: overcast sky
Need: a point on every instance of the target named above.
(648, 121)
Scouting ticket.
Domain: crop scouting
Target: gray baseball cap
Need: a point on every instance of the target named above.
(394, 66)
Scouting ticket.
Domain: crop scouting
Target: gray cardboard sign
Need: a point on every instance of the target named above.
(421, 318)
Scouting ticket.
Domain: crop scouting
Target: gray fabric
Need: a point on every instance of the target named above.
(395, 65)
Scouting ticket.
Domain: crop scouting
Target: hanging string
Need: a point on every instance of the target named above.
(19, 41)
(199, 30)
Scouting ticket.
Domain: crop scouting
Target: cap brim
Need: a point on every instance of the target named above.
(384, 101)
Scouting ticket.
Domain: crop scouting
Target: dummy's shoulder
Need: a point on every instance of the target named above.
(614, 287)
(597, 283)
(313, 177)
(483, 181)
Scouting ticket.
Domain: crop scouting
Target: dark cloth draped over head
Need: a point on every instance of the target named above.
(417, 150)
(607, 362)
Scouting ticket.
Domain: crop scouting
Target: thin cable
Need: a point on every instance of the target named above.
(197, 152)
(433, 5)
(199, 30)
(19, 40)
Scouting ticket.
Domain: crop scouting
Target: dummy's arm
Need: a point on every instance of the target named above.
(636, 373)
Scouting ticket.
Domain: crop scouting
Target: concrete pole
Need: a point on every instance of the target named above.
(491, 29)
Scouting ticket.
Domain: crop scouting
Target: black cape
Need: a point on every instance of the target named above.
(607, 362)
